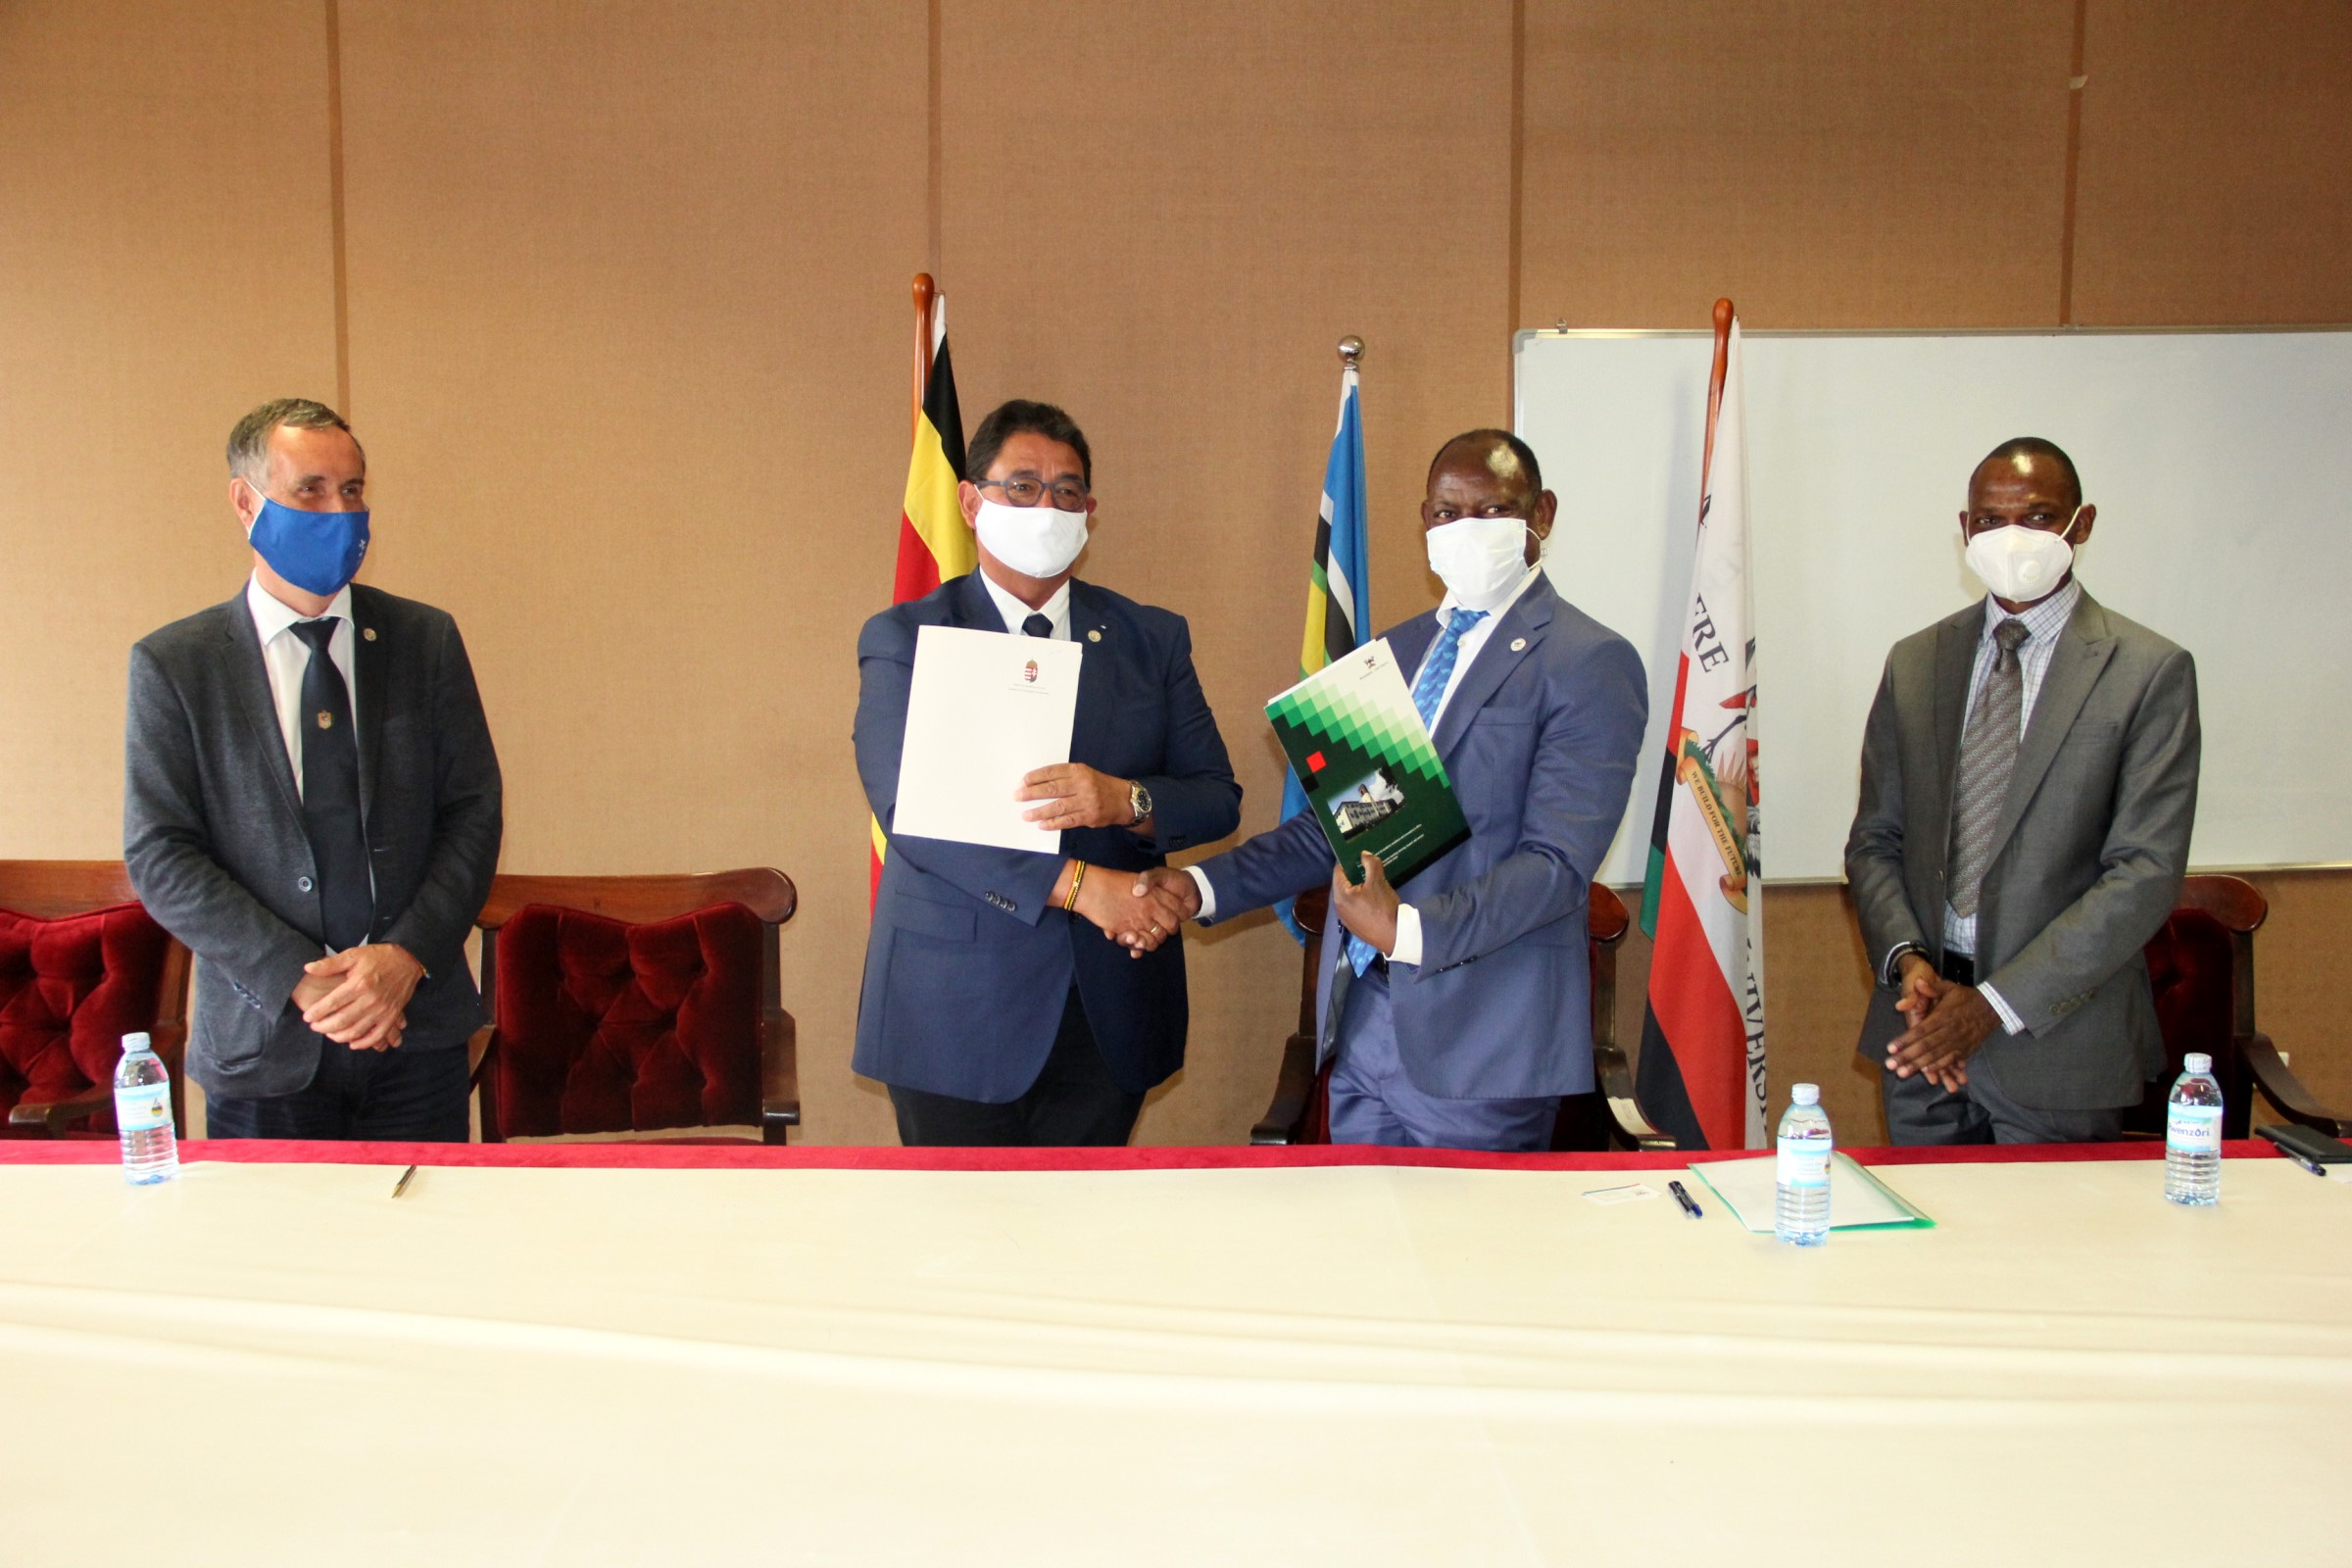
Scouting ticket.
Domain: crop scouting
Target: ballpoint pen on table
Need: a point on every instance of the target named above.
(1683, 1199)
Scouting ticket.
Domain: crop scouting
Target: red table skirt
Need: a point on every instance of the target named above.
(755, 1156)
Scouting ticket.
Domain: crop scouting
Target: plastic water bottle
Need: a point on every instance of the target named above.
(144, 1115)
(1801, 1213)
(2192, 1135)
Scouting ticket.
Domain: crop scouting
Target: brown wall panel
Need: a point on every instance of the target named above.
(165, 265)
(2214, 147)
(1231, 188)
(1843, 164)
(629, 336)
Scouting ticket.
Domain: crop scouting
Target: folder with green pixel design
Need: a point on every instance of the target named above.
(1364, 759)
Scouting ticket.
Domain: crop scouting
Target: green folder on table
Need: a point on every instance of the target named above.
(1858, 1201)
(1363, 756)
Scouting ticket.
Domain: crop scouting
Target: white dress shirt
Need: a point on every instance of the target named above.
(2043, 621)
(1056, 610)
(1408, 946)
(288, 658)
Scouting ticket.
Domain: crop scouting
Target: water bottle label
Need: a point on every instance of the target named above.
(1805, 1162)
(143, 1108)
(2193, 1129)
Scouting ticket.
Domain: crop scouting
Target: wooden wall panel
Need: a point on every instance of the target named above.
(1841, 164)
(629, 348)
(2214, 146)
(1171, 248)
(164, 266)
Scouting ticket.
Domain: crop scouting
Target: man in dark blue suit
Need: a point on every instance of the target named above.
(1014, 998)
(1460, 1018)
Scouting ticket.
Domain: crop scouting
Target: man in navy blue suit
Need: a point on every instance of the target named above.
(1021, 999)
(1458, 1019)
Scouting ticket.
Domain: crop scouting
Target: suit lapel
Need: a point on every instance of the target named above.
(2082, 650)
(249, 678)
(1955, 656)
(1093, 633)
(1513, 638)
(367, 668)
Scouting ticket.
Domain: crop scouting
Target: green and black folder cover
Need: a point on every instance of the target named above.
(1372, 778)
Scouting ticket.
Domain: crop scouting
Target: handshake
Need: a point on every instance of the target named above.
(1136, 910)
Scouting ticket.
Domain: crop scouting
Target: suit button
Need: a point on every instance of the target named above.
(303, 883)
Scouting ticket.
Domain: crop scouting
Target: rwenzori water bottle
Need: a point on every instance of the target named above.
(2192, 1133)
(144, 1115)
(1801, 1214)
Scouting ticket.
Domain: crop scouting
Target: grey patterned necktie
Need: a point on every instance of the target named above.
(1987, 758)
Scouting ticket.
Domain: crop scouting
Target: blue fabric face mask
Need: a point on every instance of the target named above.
(317, 552)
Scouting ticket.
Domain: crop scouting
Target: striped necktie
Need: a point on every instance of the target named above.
(1987, 758)
(1429, 690)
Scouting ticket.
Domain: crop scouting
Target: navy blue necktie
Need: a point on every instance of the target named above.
(330, 794)
(1436, 672)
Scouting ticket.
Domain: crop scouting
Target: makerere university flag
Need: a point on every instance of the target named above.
(1338, 608)
(1702, 1072)
(934, 542)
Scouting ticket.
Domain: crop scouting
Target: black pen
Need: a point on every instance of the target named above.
(402, 1185)
(2305, 1160)
(1683, 1199)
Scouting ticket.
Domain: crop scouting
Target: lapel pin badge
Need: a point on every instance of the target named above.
(1094, 636)
(1518, 645)
(369, 633)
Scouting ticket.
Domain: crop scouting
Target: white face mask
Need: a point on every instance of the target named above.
(1035, 541)
(2021, 564)
(1480, 560)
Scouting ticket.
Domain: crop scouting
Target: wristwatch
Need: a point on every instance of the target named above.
(1139, 802)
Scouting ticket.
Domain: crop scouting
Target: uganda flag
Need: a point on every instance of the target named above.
(934, 543)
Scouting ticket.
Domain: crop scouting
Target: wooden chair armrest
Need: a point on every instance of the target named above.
(2285, 1091)
(477, 1051)
(1615, 1075)
(779, 1077)
(1293, 1088)
(53, 1116)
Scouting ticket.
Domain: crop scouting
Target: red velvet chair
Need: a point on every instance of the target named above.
(2201, 966)
(81, 966)
(633, 1004)
(1606, 1118)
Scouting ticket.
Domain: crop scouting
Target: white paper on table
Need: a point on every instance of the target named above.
(1857, 1199)
(984, 710)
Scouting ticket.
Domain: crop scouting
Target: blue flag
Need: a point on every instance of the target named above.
(1338, 598)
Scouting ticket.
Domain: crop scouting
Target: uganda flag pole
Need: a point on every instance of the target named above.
(934, 545)
(1702, 1072)
(1338, 607)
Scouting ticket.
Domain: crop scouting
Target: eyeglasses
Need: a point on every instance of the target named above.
(1027, 490)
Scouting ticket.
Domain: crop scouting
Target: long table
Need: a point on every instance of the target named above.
(588, 1354)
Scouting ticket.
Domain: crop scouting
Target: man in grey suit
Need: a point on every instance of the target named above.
(2028, 781)
(1458, 1019)
(311, 804)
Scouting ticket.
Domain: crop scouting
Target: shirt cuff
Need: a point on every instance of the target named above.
(1408, 946)
(2009, 1019)
(1895, 955)
(1208, 895)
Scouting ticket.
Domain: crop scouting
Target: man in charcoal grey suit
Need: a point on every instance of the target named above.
(2028, 781)
(311, 804)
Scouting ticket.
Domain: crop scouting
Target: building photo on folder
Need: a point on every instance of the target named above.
(1371, 774)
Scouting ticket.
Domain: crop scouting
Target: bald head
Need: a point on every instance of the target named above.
(2030, 455)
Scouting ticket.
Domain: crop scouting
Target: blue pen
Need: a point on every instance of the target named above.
(1683, 1199)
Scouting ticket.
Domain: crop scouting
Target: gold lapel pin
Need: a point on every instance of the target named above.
(326, 721)
(1518, 645)
(1094, 636)
(369, 633)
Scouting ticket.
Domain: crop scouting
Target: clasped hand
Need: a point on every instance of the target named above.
(360, 996)
(1948, 1023)
(1076, 796)
(1137, 910)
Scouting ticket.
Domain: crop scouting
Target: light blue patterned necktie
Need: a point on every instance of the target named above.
(1437, 672)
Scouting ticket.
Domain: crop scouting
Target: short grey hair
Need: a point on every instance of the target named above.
(249, 442)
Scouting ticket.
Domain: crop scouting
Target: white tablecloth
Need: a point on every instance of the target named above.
(266, 1365)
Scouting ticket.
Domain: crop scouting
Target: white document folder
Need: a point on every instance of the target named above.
(984, 710)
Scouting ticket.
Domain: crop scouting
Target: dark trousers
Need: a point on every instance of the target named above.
(1073, 1105)
(1919, 1113)
(401, 1096)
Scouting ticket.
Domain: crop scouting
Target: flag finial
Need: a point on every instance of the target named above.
(1351, 350)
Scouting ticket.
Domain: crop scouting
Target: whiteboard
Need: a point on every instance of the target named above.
(2221, 463)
